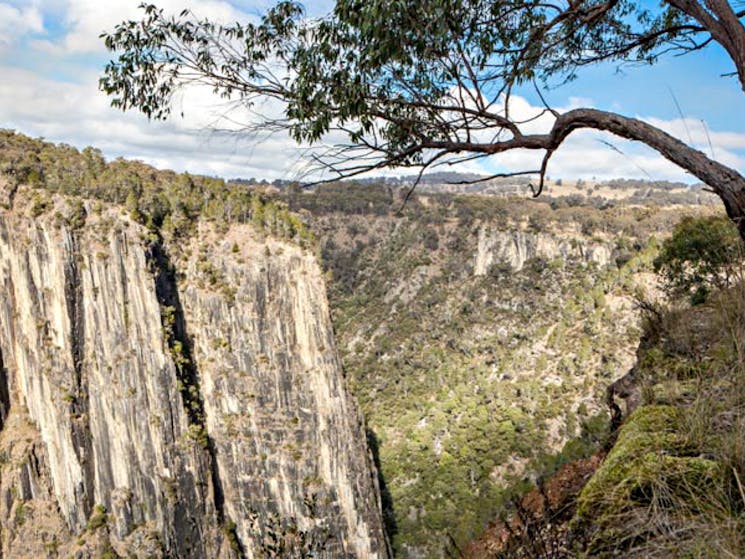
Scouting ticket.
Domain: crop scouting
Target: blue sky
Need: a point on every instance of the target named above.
(51, 58)
(695, 80)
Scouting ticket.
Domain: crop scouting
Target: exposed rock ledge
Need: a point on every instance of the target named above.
(515, 248)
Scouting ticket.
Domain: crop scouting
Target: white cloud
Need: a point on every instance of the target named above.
(80, 115)
(16, 22)
(85, 20)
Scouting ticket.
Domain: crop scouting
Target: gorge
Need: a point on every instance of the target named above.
(177, 384)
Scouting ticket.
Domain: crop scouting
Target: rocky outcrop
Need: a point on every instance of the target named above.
(515, 248)
(152, 409)
(539, 525)
(274, 398)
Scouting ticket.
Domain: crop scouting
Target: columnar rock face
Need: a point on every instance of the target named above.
(515, 248)
(187, 410)
(273, 396)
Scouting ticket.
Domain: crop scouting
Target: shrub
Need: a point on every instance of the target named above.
(702, 253)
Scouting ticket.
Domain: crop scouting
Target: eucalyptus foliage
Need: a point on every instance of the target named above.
(703, 253)
(414, 83)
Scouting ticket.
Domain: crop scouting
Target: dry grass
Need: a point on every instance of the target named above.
(687, 514)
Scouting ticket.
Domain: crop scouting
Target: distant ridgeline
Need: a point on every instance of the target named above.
(559, 192)
(161, 200)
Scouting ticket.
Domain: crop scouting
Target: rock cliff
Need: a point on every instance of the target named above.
(515, 248)
(161, 406)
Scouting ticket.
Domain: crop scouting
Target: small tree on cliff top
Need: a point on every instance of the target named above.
(411, 83)
(702, 253)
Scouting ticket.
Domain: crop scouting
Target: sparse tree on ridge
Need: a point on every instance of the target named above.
(413, 83)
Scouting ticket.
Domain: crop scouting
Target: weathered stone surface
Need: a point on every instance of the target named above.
(289, 442)
(137, 445)
(515, 248)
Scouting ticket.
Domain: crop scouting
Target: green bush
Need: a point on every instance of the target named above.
(161, 200)
(701, 254)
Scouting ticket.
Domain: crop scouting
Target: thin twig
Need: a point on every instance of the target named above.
(739, 485)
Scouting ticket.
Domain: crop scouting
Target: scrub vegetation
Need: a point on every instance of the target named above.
(168, 203)
(478, 385)
(672, 486)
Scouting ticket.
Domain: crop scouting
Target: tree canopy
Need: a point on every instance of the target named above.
(703, 252)
(411, 83)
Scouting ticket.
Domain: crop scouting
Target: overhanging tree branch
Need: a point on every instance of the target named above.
(416, 84)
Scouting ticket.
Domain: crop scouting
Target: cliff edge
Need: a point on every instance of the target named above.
(155, 405)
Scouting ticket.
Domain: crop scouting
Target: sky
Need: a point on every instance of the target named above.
(51, 57)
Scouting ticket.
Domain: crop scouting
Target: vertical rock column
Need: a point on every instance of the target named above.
(206, 417)
(290, 446)
(82, 338)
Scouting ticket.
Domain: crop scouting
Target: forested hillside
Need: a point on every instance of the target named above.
(479, 335)
(166, 202)
(668, 482)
